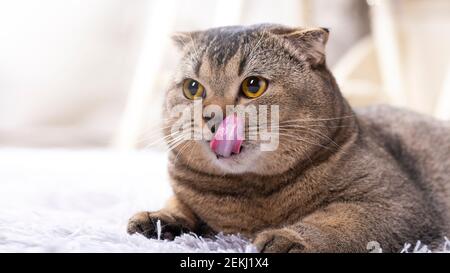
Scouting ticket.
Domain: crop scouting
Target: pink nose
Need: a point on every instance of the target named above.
(228, 137)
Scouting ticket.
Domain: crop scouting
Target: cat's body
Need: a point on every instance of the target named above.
(382, 174)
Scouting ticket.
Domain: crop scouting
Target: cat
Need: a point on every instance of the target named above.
(339, 178)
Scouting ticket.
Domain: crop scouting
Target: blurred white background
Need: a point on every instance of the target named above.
(92, 73)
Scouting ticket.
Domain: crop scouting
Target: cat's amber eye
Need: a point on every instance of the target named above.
(193, 90)
(253, 87)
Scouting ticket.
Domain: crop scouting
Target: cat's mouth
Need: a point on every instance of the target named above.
(236, 162)
(229, 137)
(232, 155)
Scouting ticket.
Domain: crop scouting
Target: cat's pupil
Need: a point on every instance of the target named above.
(193, 88)
(253, 85)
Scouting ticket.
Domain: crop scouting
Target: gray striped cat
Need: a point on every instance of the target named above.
(338, 179)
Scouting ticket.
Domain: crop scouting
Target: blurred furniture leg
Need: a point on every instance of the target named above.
(370, 72)
(357, 74)
(385, 37)
(160, 18)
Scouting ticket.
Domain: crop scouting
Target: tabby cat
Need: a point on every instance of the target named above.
(339, 178)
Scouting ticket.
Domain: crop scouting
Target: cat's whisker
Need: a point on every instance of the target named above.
(159, 133)
(177, 139)
(275, 127)
(151, 133)
(313, 125)
(184, 136)
(192, 132)
(158, 141)
(295, 138)
(183, 147)
(162, 139)
(155, 143)
(173, 146)
(319, 134)
(317, 119)
(310, 130)
(182, 143)
(190, 154)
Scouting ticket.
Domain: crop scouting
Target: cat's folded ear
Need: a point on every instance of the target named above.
(308, 43)
(182, 39)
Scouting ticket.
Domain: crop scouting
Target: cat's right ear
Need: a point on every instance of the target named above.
(309, 43)
(183, 39)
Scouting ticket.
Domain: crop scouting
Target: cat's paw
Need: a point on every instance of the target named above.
(279, 241)
(145, 223)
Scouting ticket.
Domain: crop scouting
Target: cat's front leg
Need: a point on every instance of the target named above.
(340, 227)
(283, 240)
(175, 218)
(145, 223)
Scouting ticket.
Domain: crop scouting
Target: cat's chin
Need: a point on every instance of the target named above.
(243, 162)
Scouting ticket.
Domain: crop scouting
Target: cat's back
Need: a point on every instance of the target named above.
(411, 133)
(412, 127)
(421, 144)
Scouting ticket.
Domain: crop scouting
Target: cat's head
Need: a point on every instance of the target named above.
(261, 65)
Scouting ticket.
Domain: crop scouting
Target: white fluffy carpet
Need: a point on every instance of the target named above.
(80, 201)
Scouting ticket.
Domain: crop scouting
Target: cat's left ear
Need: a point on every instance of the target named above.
(183, 39)
(309, 43)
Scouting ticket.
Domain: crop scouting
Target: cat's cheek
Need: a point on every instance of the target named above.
(271, 163)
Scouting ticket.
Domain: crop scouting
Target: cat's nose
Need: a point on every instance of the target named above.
(206, 119)
(213, 126)
(221, 102)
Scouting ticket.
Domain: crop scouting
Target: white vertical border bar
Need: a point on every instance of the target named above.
(158, 26)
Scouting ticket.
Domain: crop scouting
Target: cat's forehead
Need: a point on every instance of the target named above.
(224, 49)
(221, 44)
(262, 47)
(230, 34)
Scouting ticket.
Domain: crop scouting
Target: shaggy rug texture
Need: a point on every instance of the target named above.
(80, 201)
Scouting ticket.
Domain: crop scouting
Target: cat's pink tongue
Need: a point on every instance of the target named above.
(228, 137)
